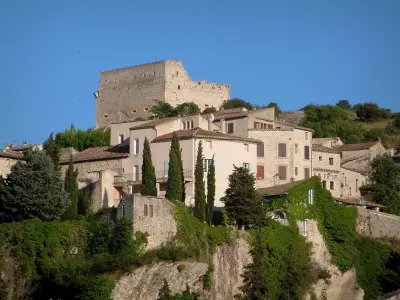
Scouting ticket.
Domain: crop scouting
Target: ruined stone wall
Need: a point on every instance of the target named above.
(160, 224)
(128, 93)
(180, 88)
(377, 224)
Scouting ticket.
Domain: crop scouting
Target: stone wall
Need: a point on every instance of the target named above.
(150, 214)
(127, 94)
(5, 165)
(377, 224)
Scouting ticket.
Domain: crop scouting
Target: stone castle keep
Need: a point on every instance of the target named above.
(127, 94)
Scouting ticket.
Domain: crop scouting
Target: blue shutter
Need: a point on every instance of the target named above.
(166, 165)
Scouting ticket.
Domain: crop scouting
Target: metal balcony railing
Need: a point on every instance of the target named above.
(136, 178)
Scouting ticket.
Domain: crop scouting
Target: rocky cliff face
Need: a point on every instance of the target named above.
(228, 261)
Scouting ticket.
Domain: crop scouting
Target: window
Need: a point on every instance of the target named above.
(310, 196)
(246, 147)
(331, 185)
(324, 184)
(230, 128)
(320, 158)
(270, 126)
(331, 161)
(306, 135)
(282, 172)
(136, 173)
(306, 152)
(256, 125)
(183, 125)
(120, 138)
(260, 150)
(303, 230)
(150, 211)
(166, 167)
(145, 210)
(134, 111)
(129, 189)
(207, 164)
(296, 148)
(146, 109)
(179, 87)
(306, 173)
(281, 150)
(209, 144)
(136, 146)
(191, 124)
(278, 128)
(260, 172)
(356, 185)
(246, 166)
(296, 171)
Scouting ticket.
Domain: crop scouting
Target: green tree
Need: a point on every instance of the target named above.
(199, 192)
(344, 104)
(209, 110)
(71, 186)
(353, 139)
(210, 191)
(187, 109)
(149, 187)
(242, 202)
(165, 292)
(52, 149)
(277, 109)
(34, 189)
(367, 111)
(175, 183)
(122, 234)
(81, 139)
(163, 110)
(83, 202)
(255, 276)
(397, 122)
(237, 103)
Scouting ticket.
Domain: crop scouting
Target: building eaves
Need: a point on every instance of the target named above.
(99, 153)
(11, 154)
(154, 123)
(357, 202)
(319, 148)
(356, 147)
(279, 189)
(202, 133)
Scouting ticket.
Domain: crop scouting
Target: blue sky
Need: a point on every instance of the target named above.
(291, 52)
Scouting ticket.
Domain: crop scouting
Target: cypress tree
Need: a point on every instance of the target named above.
(210, 191)
(83, 202)
(149, 187)
(199, 192)
(71, 186)
(175, 183)
(52, 150)
(182, 174)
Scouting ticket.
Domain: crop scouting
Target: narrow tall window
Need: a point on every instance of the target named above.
(296, 171)
(150, 211)
(209, 145)
(331, 161)
(306, 135)
(246, 147)
(306, 152)
(136, 146)
(145, 210)
(260, 172)
(260, 150)
(306, 173)
(246, 166)
(296, 148)
(324, 184)
(281, 150)
(331, 185)
(120, 138)
(136, 173)
(230, 128)
(282, 172)
(310, 196)
(320, 158)
(207, 163)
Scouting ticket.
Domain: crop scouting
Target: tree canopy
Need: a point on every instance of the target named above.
(237, 103)
(82, 139)
(34, 189)
(163, 109)
(175, 186)
(277, 109)
(344, 104)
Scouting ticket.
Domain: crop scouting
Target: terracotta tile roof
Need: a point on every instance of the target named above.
(202, 133)
(11, 154)
(269, 129)
(362, 166)
(234, 113)
(356, 147)
(320, 141)
(356, 201)
(319, 148)
(292, 117)
(100, 153)
(154, 123)
(279, 189)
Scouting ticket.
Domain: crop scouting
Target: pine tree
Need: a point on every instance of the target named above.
(149, 187)
(34, 189)
(242, 202)
(199, 192)
(210, 191)
(175, 183)
(52, 150)
(71, 186)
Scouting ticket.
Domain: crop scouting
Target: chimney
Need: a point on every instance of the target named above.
(7, 146)
(24, 143)
(210, 122)
(96, 94)
(223, 126)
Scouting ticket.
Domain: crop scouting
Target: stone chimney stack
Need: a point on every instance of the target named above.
(7, 146)
(24, 142)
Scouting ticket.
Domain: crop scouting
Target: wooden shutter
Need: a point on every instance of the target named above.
(281, 150)
(260, 172)
(230, 128)
(306, 152)
(166, 166)
(282, 172)
(260, 150)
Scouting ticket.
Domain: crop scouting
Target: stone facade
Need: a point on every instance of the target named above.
(5, 165)
(150, 214)
(127, 94)
(377, 224)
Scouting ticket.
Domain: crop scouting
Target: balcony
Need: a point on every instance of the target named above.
(136, 178)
